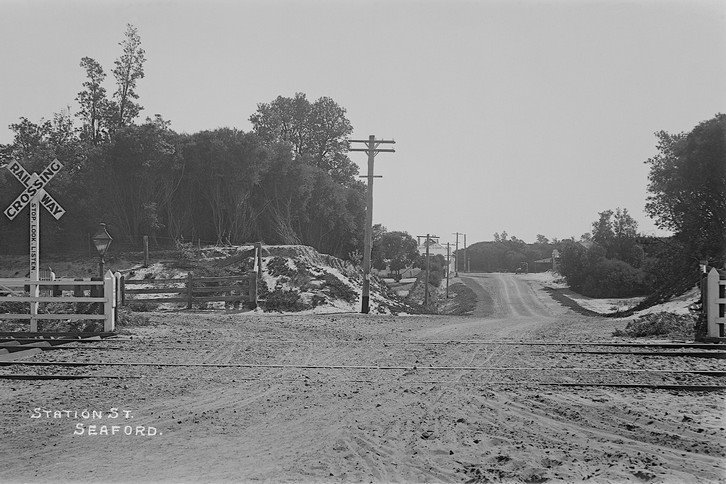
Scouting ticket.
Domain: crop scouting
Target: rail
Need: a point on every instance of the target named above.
(22, 290)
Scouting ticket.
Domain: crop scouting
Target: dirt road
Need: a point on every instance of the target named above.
(352, 398)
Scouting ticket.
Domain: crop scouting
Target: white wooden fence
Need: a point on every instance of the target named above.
(13, 290)
(715, 303)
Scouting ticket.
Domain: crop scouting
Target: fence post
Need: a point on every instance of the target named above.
(109, 305)
(253, 289)
(117, 292)
(146, 251)
(258, 247)
(190, 290)
(123, 290)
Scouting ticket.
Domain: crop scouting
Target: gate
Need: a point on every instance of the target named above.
(103, 292)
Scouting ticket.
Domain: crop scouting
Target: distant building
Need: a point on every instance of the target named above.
(434, 248)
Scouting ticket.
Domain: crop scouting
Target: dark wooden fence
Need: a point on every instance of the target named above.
(192, 290)
(198, 290)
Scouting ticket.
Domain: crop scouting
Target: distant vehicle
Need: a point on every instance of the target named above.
(522, 269)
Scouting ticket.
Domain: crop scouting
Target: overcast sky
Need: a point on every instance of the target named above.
(523, 116)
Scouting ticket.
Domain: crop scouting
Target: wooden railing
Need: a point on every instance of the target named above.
(192, 290)
(103, 292)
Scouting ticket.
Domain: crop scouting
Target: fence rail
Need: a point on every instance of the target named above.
(193, 290)
(103, 292)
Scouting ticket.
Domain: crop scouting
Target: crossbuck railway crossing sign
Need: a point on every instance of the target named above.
(34, 195)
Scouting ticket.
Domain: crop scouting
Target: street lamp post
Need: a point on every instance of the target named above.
(102, 241)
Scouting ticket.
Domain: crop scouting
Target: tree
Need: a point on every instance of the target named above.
(602, 230)
(316, 132)
(129, 68)
(135, 174)
(624, 244)
(92, 100)
(541, 239)
(687, 186)
(29, 137)
(396, 249)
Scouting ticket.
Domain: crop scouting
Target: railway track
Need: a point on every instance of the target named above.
(676, 370)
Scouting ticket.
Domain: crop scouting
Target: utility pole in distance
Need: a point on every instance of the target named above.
(448, 266)
(456, 255)
(428, 266)
(372, 150)
(466, 258)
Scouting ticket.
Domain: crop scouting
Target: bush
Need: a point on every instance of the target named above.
(339, 290)
(613, 278)
(277, 266)
(588, 272)
(184, 250)
(660, 324)
(284, 301)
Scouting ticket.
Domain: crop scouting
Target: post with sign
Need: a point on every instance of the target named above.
(34, 195)
(34, 262)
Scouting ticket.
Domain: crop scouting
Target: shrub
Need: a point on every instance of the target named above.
(284, 301)
(277, 266)
(339, 290)
(613, 278)
(660, 324)
(588, 272)
(317, 300)
(184, 250)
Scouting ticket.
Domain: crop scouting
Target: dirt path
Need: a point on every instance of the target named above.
(386, 424)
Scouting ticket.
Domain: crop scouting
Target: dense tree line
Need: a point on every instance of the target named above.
(687, 194)
(288, 181)
(506, 254)
(609, 262)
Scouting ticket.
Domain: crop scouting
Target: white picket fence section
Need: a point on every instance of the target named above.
(13, 290)
(715, 303)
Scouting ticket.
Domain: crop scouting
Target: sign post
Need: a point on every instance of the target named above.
(34, 195)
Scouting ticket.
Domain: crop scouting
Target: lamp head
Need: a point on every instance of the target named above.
(102, 240)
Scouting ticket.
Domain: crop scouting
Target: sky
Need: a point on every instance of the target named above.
(528, 117)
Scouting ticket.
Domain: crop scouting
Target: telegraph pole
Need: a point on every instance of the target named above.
(448, 266)
(466, 257)
(456, 255)
(372, 150)
(428, 266)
